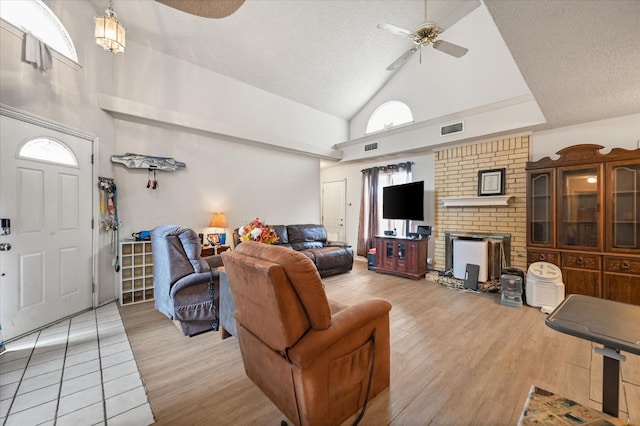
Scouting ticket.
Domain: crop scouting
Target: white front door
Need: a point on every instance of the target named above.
(46, 275)
(334, 209)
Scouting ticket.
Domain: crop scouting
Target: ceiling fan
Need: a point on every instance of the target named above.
(205, 8)
(427, 33)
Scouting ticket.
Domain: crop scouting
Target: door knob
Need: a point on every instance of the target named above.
(5, 246)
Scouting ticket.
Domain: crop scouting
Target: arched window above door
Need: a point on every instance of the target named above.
(49, 150)
(35, 17)
(389, 115)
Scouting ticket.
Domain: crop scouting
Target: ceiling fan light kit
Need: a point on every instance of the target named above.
(427, 33)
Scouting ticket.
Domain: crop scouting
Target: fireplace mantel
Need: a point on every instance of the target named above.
(492, 200)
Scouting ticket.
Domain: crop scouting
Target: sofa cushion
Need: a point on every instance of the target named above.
(303, 237)
(281, 232)
(330, 257)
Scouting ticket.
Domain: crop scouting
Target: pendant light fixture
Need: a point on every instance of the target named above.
(109, 33)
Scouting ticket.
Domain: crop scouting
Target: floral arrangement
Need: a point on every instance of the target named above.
(257, 231)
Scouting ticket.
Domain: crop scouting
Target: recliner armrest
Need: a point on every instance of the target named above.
(336, 244)
(191, 280)
(214, 261)
(316, 342)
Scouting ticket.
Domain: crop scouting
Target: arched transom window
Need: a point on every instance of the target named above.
(388, 115)
(35, 17)
(49, 150)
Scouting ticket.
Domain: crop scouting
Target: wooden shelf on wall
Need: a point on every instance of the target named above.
(475, 201)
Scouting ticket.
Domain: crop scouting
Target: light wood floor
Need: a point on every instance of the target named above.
(458, 358)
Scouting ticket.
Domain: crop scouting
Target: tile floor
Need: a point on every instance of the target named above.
(80, 371)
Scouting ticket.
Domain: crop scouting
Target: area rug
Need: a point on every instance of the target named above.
(545, 408)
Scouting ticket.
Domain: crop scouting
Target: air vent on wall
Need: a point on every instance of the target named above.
(452, 128)
(371, 146)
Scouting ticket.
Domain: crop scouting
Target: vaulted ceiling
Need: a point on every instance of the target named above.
(580, 59)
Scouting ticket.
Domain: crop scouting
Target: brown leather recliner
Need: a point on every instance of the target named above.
(317, 361)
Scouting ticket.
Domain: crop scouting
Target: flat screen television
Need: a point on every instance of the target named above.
(404, 201)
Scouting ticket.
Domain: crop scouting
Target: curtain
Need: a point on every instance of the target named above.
(371, 222)
(368, 223)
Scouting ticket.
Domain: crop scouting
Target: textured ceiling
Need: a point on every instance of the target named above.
(581, 59)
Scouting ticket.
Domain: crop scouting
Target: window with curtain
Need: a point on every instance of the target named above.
(371, 222)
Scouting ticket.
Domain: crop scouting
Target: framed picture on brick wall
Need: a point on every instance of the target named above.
(491, 182)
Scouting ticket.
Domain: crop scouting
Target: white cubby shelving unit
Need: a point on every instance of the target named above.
(136, 272)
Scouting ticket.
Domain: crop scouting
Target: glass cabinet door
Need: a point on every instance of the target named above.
(541, 208)
(389, 252)
(402, 251)
(580, 213)
(625, 198)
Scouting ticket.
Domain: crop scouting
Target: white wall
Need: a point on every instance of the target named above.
(241, 181)
(422, 169)
(161, 81)
(619, 132)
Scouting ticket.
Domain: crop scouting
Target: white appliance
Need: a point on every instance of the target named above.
(470, 251)
(544, 285)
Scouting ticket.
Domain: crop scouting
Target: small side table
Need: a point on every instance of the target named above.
(211, 251)
(613, 324)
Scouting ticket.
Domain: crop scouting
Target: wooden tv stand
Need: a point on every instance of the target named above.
(402, 256)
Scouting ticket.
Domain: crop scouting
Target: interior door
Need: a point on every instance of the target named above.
(334, 209)
(46, 274)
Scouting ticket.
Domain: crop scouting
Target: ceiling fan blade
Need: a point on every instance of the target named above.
(402, 59)
(460, 12)
(393, 29)
(206, 8)
(450, 48)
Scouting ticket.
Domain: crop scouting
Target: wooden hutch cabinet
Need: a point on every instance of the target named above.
(583, 215)
(402, 256)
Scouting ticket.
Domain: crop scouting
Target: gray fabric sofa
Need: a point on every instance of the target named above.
(186, 284)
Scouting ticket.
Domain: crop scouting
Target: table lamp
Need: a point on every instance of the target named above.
(219, 221)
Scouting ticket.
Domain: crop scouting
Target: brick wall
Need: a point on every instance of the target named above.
(456, 175)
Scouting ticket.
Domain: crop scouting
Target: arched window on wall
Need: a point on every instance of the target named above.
(48, 150)
(35, 17)
(389, 115)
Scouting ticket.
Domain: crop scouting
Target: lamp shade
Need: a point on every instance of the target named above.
(218, 220)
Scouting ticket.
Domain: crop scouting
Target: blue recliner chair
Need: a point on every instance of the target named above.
(186, 284)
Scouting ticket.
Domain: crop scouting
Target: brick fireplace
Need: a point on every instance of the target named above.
(456, 175)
